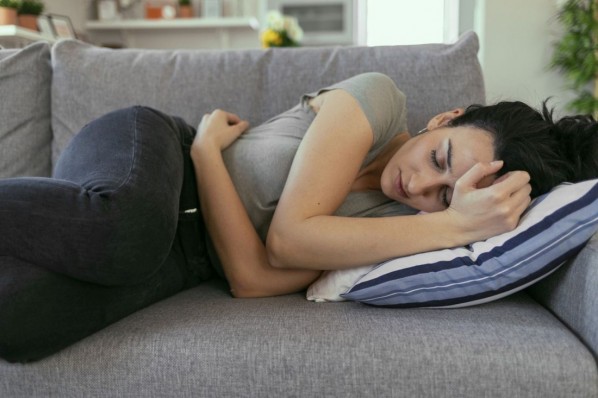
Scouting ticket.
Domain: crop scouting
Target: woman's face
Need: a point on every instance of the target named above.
(423, 172)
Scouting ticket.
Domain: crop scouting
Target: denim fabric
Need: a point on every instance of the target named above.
(95, 242)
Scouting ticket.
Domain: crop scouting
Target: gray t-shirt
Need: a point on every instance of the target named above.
(260, 160)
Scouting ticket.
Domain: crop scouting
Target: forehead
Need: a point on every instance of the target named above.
(468, 146)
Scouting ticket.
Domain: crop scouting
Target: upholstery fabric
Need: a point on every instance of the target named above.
(202, 343)
(90, 81)
(571, 294)
(25, 133)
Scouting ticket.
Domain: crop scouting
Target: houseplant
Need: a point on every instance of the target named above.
(185, 9)
(575, 54)
(8, 12)
(28, 12)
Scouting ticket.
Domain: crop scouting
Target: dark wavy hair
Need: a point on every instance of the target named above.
(526, 139)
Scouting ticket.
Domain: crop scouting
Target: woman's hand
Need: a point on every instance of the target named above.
(218, 130)
(486, 212)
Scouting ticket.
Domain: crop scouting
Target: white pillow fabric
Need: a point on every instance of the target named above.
(331, 284)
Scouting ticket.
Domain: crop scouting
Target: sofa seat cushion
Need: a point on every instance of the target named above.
(204, 343)
(25, 133)
(571, 294)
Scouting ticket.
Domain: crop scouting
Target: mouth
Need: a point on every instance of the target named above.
(399, 187)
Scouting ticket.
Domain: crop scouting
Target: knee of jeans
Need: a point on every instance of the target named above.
(15, 351)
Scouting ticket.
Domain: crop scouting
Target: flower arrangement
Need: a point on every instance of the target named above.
(281, 31)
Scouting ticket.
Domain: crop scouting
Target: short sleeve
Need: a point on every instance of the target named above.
(383, 104)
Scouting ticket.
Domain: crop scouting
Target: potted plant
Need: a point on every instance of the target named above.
(8, 12)
(575, 54)
(28, 12)
(185, 9)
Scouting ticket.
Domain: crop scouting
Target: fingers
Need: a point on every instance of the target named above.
(515, 182)
(477, 173)
(231, 118)
(242, 126)
(515, 190)
(220, 116)
(486, 206)
(521, 199)
(219, 129)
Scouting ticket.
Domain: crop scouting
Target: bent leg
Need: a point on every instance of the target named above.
(109, 215)
(42, 312)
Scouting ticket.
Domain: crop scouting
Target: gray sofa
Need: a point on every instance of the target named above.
(542, 342)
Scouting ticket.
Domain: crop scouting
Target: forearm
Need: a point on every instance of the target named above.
(239, 248)
(329, 242)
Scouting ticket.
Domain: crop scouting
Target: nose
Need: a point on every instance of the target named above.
(423, 184)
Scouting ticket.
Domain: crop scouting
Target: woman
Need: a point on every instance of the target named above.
(442, 172)
(109, 234)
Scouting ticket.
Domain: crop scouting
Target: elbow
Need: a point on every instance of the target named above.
(239, 289)
(241, 293)
(277, 250)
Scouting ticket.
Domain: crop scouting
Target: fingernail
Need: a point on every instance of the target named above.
(496, 162)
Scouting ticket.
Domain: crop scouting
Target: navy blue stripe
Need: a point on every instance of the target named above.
(515, 241)
(555, 263)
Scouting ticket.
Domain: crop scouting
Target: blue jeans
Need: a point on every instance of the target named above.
(100, 239)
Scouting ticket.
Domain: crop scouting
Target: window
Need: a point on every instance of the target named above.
(392, 22)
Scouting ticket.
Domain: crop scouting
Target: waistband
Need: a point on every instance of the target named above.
(191, 236)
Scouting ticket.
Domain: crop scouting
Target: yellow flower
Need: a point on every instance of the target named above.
(271, 38)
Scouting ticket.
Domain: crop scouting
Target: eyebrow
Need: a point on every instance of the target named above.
(449, 155)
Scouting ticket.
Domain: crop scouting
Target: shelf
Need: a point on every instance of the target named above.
(15, 36)
(188, 33)
(182, 23)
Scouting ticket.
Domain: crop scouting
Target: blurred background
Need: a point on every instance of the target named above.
(517, 38)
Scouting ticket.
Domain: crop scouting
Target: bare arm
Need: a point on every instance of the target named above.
(239, 248)
(305, 234)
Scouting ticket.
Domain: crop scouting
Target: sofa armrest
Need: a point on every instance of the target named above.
(571, 293)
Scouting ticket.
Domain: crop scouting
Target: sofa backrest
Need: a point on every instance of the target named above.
(25, 133)
(256, 84)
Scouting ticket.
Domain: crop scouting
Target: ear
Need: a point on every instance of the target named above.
(442, 119)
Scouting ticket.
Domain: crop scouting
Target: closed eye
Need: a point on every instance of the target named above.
(434, 160)
(445, 199)
(445, 192)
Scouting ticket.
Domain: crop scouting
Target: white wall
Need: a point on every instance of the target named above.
(516, 39)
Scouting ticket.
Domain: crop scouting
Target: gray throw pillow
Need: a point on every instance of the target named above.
(25, 132)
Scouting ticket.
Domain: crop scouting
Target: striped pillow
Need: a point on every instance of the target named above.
(553, 229)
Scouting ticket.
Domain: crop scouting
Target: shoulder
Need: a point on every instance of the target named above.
(372, 79)
(373, 85)
(370, 89)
